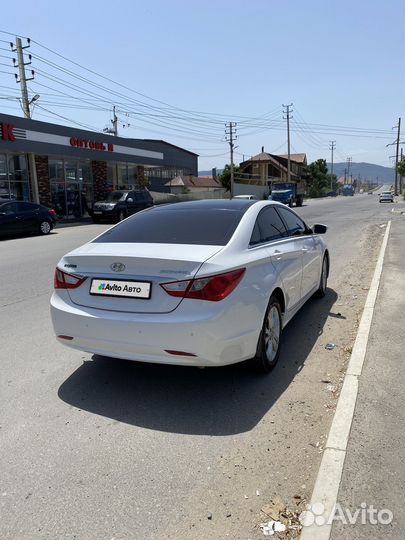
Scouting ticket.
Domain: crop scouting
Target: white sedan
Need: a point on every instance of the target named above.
(204, 283)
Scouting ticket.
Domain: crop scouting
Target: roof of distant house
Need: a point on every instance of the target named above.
(194, 181)
(298, 158)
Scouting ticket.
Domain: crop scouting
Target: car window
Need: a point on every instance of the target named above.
(295, 225)
(176, 225)
(255, 239)
(26, 206)
(268, 227)
(10, 208)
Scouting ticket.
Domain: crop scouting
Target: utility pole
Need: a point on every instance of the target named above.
(114, 122)
(22, 79)
(230, 135)
(349, 162)
(288, 115)
(332, 146)
(400, 176)
(397, 155)
(397, 143)
(345, 175)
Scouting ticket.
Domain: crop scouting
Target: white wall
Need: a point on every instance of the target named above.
(251, 189)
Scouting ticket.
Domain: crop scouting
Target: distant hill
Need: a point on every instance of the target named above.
(367, 171)
(208, 173)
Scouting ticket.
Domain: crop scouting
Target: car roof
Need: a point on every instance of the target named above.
(209, 204)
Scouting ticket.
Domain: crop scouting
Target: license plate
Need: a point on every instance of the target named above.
(124, 289)
(97, 212)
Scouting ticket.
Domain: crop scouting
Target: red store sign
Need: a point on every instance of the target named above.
(92, 145)
(7, 132)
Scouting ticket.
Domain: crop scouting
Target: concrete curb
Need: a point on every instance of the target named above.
(327, 483)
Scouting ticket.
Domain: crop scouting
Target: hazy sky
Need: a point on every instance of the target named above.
(340, 63)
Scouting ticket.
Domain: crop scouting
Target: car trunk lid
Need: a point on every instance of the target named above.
(137, 264)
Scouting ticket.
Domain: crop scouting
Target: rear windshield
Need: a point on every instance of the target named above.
(167, 225)
(115, 196)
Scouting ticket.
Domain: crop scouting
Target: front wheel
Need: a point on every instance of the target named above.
(291, 203)
(268, 347)
(121, 215)
(45, 227)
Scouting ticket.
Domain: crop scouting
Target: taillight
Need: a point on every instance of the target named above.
(51, 211)
(63, 280)
(212, 288)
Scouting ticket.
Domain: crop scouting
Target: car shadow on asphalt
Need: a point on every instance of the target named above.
(211, 401)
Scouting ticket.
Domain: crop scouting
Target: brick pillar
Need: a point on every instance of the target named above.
(44, 185)
(99, 171)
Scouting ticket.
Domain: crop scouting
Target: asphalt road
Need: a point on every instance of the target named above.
(100, 449)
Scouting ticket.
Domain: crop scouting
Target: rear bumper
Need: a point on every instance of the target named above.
(105, 214)
(216, 337)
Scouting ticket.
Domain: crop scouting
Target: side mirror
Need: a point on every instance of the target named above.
(319, 229)
(130, 199)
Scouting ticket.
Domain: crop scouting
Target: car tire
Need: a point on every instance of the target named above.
(268, 347)
(323, 284)
(96, 219)
(121, 215)
(290, 203)
(45, 227)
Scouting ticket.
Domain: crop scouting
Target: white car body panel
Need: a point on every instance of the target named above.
(217, 333)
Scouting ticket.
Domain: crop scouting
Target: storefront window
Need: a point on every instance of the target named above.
(122, 174)
(4, 186)
(14, 182)
(132, 176)
(71, 187)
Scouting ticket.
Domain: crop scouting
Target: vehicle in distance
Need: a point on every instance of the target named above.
(120, 204)
(20, 217)
(370, 192)
(202, 283)
(288, 193)
(247, 197)
(386, 196)
(348, 190)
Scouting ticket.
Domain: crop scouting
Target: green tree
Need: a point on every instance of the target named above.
(318, 179)
(225, 177)
(401, 167)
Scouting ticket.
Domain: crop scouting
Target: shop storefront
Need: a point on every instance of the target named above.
(74, 168)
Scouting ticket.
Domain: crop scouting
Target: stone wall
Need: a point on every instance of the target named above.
(99, 171)
(44, 186)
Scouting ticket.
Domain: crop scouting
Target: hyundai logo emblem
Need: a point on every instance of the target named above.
(117, 267)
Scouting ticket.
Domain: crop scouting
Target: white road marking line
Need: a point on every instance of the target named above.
(327, 483)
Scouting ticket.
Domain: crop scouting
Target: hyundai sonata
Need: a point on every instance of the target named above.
(204, 283)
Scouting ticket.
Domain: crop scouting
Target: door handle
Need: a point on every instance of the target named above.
(304, 250)
(278, 255)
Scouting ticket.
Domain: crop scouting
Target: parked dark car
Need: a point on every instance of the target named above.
(120, 204)
(331, 194)
(19, 217)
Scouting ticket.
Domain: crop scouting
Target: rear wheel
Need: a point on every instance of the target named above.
(268, 347)
(45, 227)
(320, 293)
(291, 203)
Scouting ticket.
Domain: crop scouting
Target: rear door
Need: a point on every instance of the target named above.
(28, 216)
(310, 249)
(8, 219)
(284, 253)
